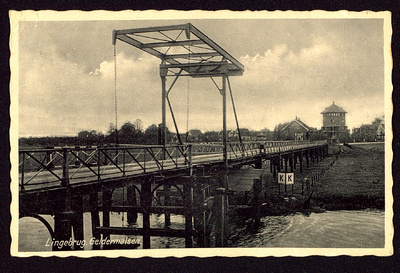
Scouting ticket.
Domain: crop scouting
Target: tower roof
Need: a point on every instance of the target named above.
(333, 109)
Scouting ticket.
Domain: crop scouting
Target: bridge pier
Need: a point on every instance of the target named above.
(188, 203)
(256, 200)
(258, 163)
(286, 163)
(94, 213)
(199, 217)
(77, 220)
(145, 202)
(301, 161)
(131, 214)
(107, 195)
(167, 194)
(62, 219)
(291, 159)
(219, 212)
(62, 229)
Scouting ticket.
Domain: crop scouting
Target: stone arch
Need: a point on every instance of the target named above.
(41, 219)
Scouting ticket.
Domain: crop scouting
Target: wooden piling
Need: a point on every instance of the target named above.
(199, 216)
(107, 195)
(301, 161)
(77, 219)
(145, 202)
(219, 211)
(62, 229)
(131, 214)
(256, 199)
(62, 219)
(94, 213)
(188, 203)
(167, 194)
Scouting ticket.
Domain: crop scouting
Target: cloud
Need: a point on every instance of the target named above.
(294, 69)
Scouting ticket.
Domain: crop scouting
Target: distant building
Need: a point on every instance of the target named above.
(333, 121)
(380, 132)
(295, 130)
(370, 132)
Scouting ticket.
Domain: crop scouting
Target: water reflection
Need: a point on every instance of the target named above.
(332, 229)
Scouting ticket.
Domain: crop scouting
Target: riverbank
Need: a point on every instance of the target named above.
(353, 180)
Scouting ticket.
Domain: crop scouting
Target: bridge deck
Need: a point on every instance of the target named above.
(47, 169)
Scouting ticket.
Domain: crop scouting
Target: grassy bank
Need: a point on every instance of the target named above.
(357, 181)
(351, 181)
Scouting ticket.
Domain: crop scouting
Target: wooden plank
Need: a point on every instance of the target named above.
(140, 231)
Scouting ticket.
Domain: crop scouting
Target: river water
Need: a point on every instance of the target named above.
(331, 229)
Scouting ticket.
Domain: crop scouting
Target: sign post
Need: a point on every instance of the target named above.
(287, 179)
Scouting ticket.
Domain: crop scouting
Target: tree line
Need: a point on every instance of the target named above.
(133, 133)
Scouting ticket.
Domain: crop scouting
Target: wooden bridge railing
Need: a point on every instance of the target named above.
(61, 166)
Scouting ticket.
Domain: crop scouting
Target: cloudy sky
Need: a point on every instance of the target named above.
(293, 67)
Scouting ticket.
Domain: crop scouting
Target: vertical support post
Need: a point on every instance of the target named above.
(190, 160)
(199, 217)
(131, 201)
(77, 220)
(65, 166)
(258, 164)
(23, 172)
(123, 163)
(308, 159)
(145, 201)
(291, 161)
(107, 194)
(62, 221)
(256, 195)
(62, 229)
(94, 212)
(270, 166)
(301, 161)
(98, 162)
(224, 131)
(313, 156)
(163, 74)
(188, 203)
(219, 207)
(280, 166)
(167, 195)
(286, 163)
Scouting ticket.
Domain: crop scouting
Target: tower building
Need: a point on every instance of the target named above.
(333, 121)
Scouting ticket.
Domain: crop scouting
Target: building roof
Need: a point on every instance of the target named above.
(298, 121)
(333, 109)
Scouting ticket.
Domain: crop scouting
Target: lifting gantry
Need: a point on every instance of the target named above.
(184, 51)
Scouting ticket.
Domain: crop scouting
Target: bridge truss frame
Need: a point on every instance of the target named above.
(184, 51)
